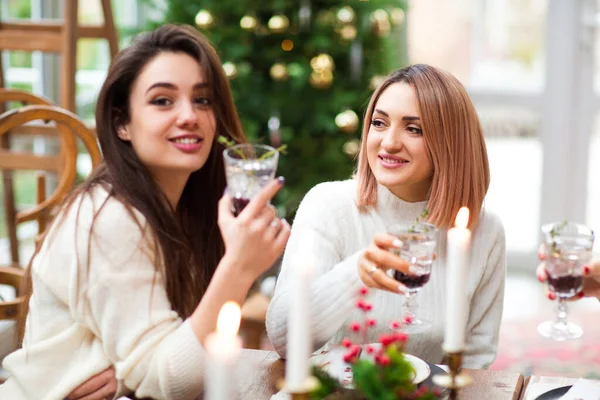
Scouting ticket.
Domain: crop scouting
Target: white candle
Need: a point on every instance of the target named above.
(223, 347)
(299, 337)
(457, 262)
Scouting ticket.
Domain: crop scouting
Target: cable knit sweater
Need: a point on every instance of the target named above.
(116, 312)
(329, 224)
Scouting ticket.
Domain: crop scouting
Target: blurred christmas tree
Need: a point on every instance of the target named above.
(301, 74)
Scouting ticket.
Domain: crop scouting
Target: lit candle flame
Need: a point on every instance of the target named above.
(228, 322)
(462, 218)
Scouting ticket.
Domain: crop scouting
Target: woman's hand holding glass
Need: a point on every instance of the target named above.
(376, 260)
(256, 238)
(591, 278)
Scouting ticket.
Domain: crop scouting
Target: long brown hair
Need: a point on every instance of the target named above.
(453, 139)
(188, 239)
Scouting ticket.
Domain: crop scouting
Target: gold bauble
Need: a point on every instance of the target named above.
(279, 23)
(230, 70)
(381, 23)
(376, 81)
(248, 23)
(347, 32)
(380, 15)
(347, 121)
(352, 147)
(322, 62)
(321, 79)
(204, 19)
(397, 16)
(346, 15)
(279, 72)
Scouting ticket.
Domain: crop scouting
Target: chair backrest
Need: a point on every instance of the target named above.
(68, 127)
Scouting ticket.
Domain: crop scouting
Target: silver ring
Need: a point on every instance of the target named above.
(371, 269)
(275, 223)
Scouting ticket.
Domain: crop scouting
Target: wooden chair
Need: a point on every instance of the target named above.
(69, 127)
(11, 160)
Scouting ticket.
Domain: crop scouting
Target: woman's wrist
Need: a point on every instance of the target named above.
(233, 270)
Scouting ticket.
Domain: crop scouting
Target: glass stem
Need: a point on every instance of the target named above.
(561, 312)
(410, 305)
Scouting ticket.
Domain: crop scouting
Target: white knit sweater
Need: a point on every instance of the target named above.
(83, 320)
(329, 224)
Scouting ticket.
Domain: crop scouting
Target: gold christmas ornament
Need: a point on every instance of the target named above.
(397, 16)
(345, 15)
(279, 72)
(321, 79)
(375, 81)
(322, 62)
(347, 121)
(248, 23)
(279, 23)
(204, 19)
(381, 23)
(287, 45)
(230, 70)
(347, 32)
(351, 148)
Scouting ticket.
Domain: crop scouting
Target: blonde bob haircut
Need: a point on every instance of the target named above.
(453, 141)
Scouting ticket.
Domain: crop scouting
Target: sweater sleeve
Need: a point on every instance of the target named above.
(315, 238)
(126, 306)
(487, 304)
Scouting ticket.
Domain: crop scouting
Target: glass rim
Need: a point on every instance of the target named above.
(265, 147)
(584, 230)
(408, 225)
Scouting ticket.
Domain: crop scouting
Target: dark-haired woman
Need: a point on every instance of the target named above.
(136, 266)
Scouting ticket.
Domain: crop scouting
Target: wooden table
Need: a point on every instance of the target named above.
(536, 385)
(258, 372)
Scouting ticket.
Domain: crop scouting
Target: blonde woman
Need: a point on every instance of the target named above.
(422, 148)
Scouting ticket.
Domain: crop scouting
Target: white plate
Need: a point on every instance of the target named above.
(333, 363)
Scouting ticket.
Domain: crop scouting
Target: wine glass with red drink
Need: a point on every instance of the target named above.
(248, 168)
(419, 241)
(567, 249)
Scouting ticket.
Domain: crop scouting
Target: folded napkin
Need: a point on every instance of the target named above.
(583, 389)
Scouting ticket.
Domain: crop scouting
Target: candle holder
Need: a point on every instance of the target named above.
(455, 379)
(299, 393)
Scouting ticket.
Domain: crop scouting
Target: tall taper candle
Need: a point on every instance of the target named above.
(457, 262)
(223, 347)
(299, 335)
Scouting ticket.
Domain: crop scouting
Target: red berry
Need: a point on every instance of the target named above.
(346, 343)
(401, 337)
(368, 307)
(363, 291)
(355, 327)
(355, 350)
(371, 322)
(382, 359)
(388, 339)
(370, 349)
(408, 319)
(395, 325)
(360, 304)
(348, 358)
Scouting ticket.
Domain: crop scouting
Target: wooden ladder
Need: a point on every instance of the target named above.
(59, 37)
